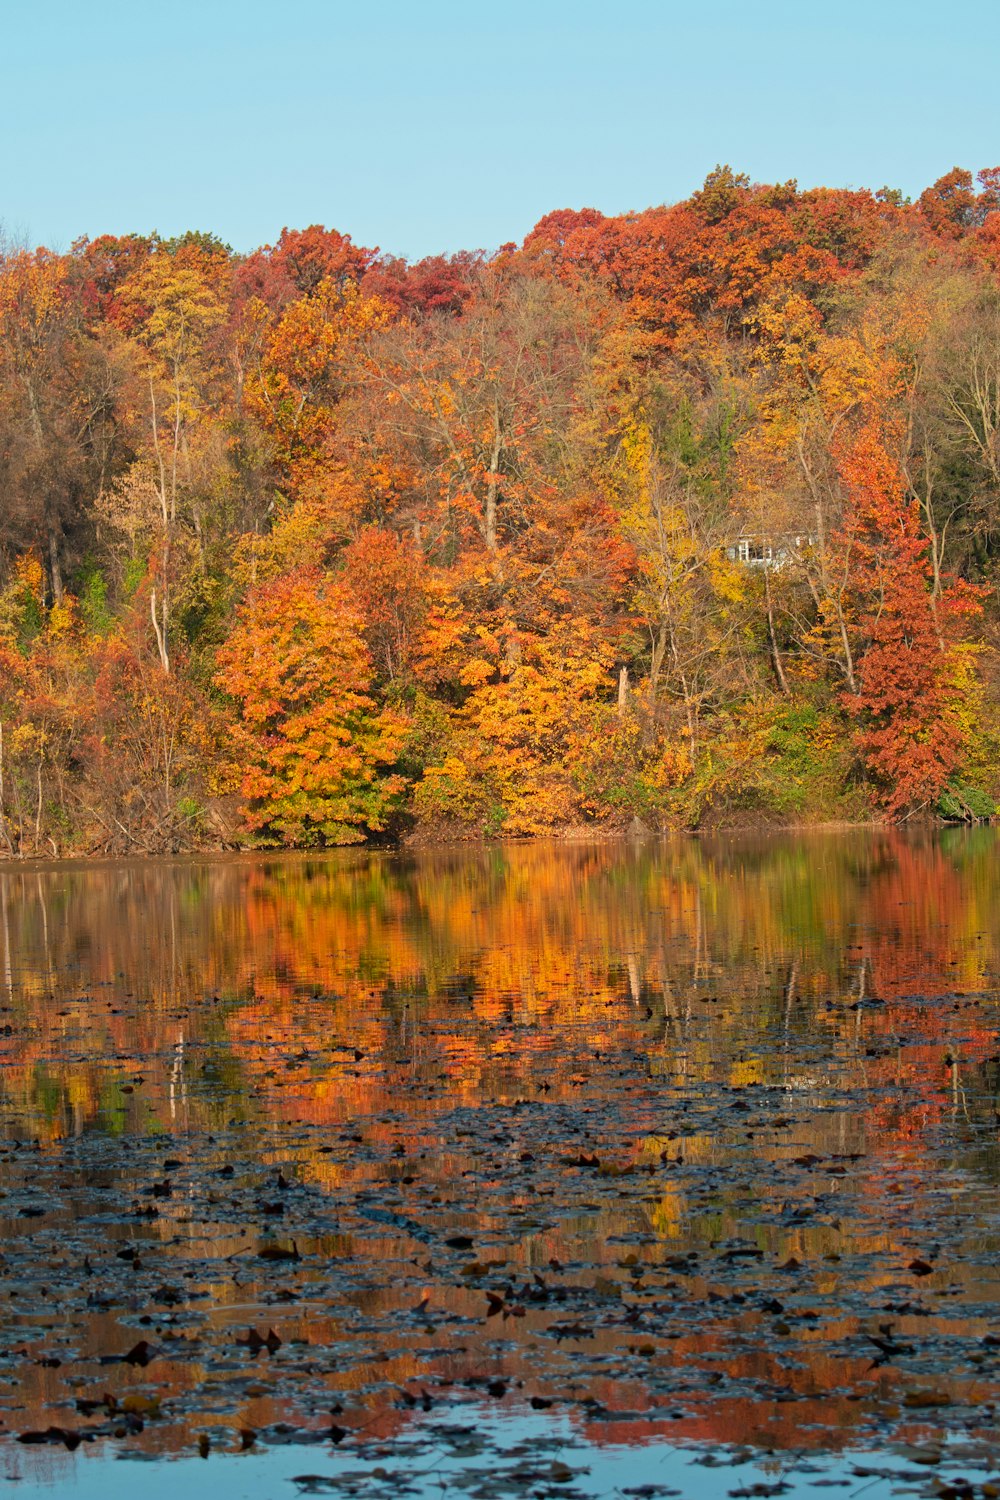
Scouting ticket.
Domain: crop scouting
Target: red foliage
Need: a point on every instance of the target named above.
(101, 266)
(952, 207)
(907, 736)
(729, 249)
(847, 225)
(309, 256)
(387, 582)
(439, 283)
(296, 265)
(551, 233)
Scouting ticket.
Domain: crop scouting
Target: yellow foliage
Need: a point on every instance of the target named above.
(29, 576)
(729, 581)
(509, 763)
(295, 540)
(790, 327)
(63, 619)
(976, 720)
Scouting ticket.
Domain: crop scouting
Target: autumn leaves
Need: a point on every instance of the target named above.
(312, 545)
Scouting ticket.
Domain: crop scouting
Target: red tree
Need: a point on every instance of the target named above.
(907, 733)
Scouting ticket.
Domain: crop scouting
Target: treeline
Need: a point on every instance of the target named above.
(685, 515)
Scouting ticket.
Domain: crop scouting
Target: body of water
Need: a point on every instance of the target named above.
(657, 1169)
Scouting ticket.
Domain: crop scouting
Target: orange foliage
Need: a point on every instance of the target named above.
(294, 389)
(596, 527)
(311, 746)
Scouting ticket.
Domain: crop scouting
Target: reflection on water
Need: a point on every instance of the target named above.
(695, 1141)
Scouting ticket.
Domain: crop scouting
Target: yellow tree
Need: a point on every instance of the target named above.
(176, 302)
(687, 594)
(508, 761)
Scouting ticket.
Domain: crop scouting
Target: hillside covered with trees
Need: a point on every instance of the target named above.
(689, 515)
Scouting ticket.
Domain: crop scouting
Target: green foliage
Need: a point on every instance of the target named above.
(93, 599)
(30, 621)
(795, 764)
(493, 822)
(448, 793)
(135, 573)
(197, 239)
(960, 803)
(622, 769)
(189, 809)
(780, 758)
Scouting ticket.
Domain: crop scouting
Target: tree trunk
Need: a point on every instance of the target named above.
(54, 567)
(38, 807)
(779, 670)
(492, 484)
(160, 630)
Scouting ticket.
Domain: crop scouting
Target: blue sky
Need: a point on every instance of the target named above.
(435, 125)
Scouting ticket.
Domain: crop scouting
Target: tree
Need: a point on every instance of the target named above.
(387, 582)
(908, 734)
(506, 761)
(316, 751)
(952, 207)
(60, 417)
(301, 372)
(179, 301)
(684, 589)
(436, 284)
(146, 747)
(299, 263)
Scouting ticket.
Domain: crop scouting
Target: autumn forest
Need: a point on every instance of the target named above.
(689, 516)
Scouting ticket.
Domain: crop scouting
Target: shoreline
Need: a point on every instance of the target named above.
(417, 845)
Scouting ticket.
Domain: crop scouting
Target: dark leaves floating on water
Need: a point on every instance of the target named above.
(255, 1341)
(140, 1354)
(169, 1296)
(279, 1252)
(66, 1435)
(920, 1267)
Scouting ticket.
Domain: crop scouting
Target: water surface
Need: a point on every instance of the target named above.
(536, 1169)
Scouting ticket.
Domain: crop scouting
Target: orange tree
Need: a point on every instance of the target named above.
(313, 748)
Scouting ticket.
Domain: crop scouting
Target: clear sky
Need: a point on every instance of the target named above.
(432, 125)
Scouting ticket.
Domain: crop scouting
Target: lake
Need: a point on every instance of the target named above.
(660, 1168)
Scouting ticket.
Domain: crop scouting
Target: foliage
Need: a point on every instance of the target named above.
(679, 515)
(908, 735)
(310, 747)
(959, 803)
